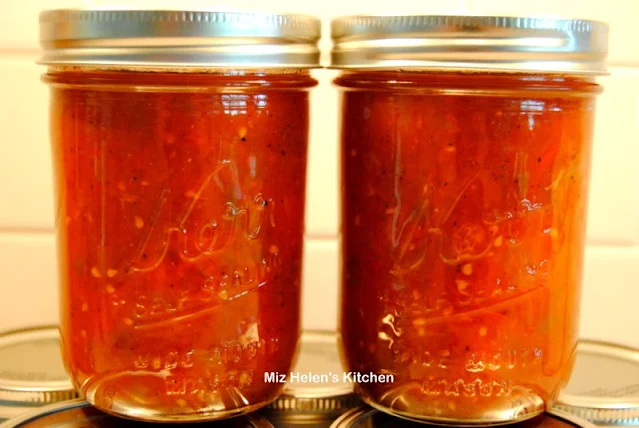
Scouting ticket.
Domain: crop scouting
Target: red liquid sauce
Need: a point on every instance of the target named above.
(463, 228)
(180, 221)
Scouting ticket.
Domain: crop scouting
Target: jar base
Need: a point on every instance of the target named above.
(223, 405)
(489, 418)
(151, 416)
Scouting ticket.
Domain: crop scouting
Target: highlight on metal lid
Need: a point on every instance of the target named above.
(367, 417)
(473, 43)
(79, 413)
(604, 385)
(31, 370)
(166, 38)
(320, 399)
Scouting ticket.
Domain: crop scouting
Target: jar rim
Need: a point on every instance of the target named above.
(178, 39)
(472, 43)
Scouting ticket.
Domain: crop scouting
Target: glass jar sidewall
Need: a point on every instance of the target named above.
(468, 290)
(180, 238)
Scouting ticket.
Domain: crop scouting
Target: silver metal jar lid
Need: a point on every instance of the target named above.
(473, 43)
(178, 39)
(317, 402)
(80, 414)
(366, 417)
(31, 370)
(604, 385)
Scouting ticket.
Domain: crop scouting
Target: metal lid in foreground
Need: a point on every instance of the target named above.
(604, 386)
(31, 370)
(314, 402)
(80, 414)
(366, 417)
(178, 39)
(470, 43)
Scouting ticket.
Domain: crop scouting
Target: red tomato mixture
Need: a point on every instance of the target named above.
(180, 223)
(463, 218)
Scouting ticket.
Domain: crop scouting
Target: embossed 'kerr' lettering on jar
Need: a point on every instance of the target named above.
(465, 159)
(180, 175)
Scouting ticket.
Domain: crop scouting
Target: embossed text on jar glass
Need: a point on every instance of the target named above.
(180, 207)
(464, 194)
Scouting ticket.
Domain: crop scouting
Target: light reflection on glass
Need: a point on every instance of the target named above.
(234, 104)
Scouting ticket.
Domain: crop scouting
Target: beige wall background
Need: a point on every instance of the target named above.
(28, 289)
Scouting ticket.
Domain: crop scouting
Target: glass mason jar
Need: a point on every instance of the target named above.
(465, 158)
(179, 146)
